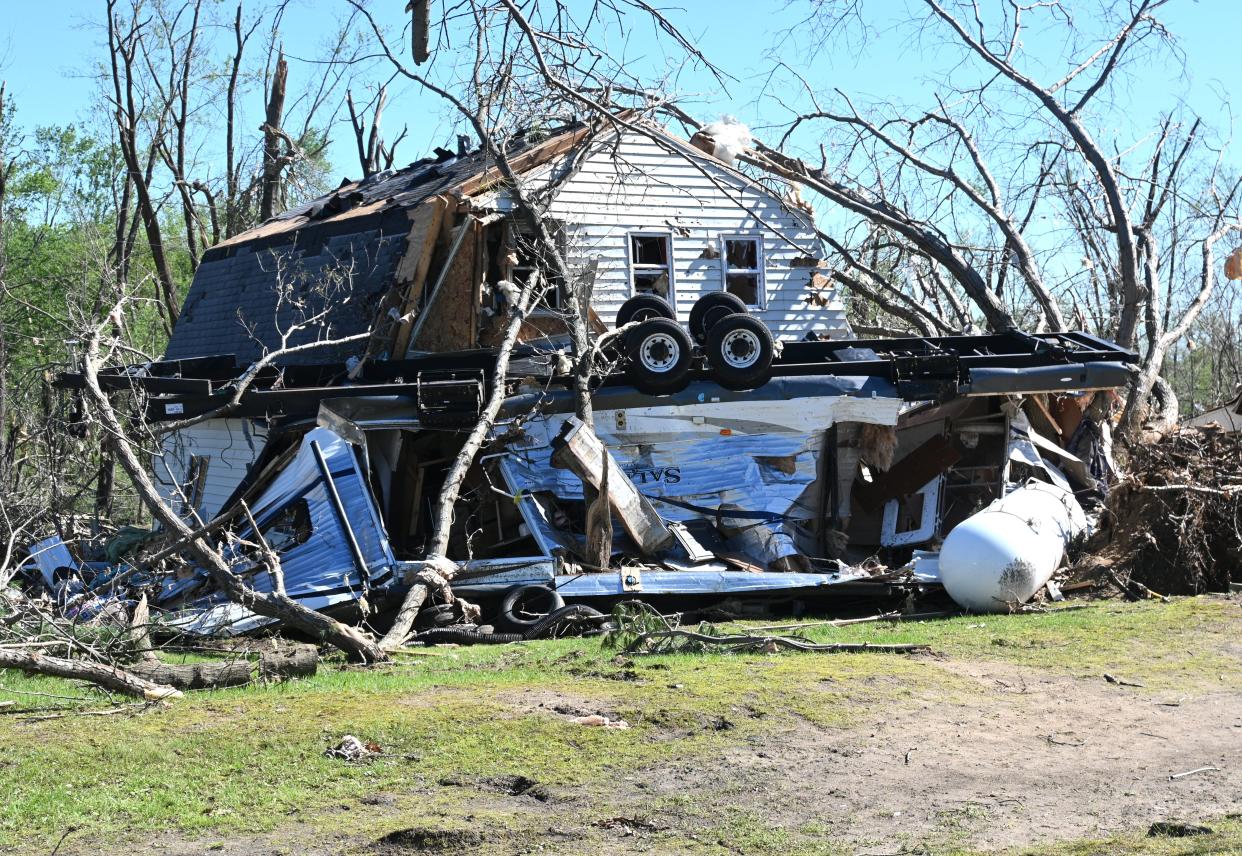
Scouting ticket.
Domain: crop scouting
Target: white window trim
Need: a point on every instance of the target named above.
(672, 266)
(760, 259)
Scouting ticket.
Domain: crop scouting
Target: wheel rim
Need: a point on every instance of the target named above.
(659, 352)
(740, 349)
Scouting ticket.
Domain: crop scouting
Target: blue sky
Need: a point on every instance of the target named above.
(47, 48)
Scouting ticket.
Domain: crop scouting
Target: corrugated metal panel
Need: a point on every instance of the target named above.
(324, 561)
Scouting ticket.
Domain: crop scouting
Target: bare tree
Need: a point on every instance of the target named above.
(527, 66)
(124, 39)
(967, 185)
(374, 155)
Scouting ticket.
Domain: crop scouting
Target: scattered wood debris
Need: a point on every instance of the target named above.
(640, 629)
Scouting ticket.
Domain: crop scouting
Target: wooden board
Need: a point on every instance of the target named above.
(411, 273)
(581, 452)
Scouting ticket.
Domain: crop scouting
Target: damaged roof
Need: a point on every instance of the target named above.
(335, 255)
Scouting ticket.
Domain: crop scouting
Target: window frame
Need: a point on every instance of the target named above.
(670, 266)
(760, 272)
(298, 507)
(513, 234)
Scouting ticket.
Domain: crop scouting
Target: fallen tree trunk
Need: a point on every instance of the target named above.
(196, 676)
(299, 661)
(110, 677)
(437, 568)
(351, 640)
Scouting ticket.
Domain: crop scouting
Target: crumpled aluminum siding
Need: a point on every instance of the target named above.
(759, 456)
(319, 572)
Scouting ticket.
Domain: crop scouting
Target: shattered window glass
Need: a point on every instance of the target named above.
(290, 527)
(650, 249)
(743, 265)
(649, 264)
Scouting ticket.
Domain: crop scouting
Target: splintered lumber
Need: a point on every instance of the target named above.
(581, 452)
(411, 273)
(101, 674)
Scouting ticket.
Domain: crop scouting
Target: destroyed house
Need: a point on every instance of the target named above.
(412, 257)
(743, 442)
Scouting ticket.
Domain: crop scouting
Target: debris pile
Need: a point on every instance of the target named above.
(639, 629)
(1174, 523)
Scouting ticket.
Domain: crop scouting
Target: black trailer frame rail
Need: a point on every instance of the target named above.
(922, 368)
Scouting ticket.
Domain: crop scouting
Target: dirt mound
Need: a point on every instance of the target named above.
(1174, 523)
(422, 840)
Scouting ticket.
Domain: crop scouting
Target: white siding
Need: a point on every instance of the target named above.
(230, 445)
(637, 186)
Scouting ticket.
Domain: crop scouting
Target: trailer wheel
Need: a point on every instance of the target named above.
(710, 308)
(525, 606)
(739, 349)
(640, 307)
(658, 355)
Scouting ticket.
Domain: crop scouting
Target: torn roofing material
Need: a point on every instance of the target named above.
(323, 267)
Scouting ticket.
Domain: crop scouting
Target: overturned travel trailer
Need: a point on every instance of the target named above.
(752, 445)
(850, 449)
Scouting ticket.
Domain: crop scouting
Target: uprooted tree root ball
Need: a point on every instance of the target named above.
(1174, 524)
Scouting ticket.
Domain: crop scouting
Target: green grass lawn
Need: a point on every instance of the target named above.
(251, 759)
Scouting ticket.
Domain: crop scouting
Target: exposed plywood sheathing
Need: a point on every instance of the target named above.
(450, 321)
(281, 225)
(539, 325)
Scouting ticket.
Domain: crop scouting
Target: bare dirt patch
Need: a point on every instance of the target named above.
(1033, 758)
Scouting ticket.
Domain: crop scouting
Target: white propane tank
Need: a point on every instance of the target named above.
(998, 558)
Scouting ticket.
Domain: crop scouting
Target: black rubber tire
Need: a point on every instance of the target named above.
(512, 614)
(440, 615)
(575, 616)
(657, 356)
(740, 349)
(640, 307)
(709, 309)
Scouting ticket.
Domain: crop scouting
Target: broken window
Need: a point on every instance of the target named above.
(743, 269)
(517, 260)
(291, 526)
(650, 268)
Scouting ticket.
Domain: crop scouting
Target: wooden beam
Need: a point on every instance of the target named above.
(581, 452)
(535, 156)
(411, 274)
